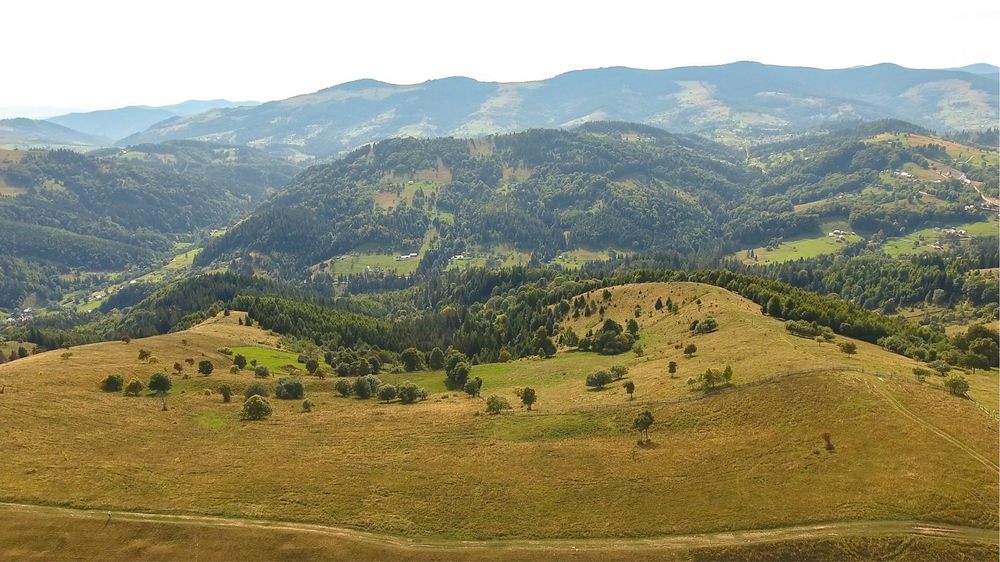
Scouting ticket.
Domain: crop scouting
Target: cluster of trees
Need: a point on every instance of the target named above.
(712, 379)
(610, 338)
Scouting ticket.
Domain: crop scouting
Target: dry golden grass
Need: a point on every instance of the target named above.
(749, 457)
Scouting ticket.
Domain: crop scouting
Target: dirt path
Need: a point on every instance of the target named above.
(879, 388)
(732, 538)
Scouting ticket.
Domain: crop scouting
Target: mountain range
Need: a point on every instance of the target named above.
(109, 125)
(739, 100)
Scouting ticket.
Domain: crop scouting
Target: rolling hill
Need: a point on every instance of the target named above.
(735, 101)
(440, 479)
(25, 133)
(110, 125)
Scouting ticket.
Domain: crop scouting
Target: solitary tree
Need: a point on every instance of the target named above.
(289, 388)
(160, 383)
(642, 423)
(528, 397)
(178, 367)
(144, 355)
(598, 379)
(473, 386)
(240, 361)
(133, 388)
(409, 393)
(848, 347)
(436, 359)
(672, 368)
(619, 371)
(205, 367)
(226, 392)
(629, 388)
(690, 350)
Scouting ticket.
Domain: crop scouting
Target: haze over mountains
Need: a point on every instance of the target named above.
(732, 102)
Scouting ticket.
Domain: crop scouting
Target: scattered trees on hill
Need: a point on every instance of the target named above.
(112, 383)
(642, 423)
(496, 404)
(256, 407)
(712, 379)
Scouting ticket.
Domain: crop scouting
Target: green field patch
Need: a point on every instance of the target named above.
(210, 420)
(573, 259)
(359, 263)
(924, 240)
(390, 196)
(273, 359)
(531, 428)
(803, 247)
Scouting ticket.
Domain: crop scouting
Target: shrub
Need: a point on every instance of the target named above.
(112, 383)
(144, 354)
(436, 359)
(598, 379)
(343, 387)
(619, 371)
(629, 387)
(312, 365)
(289, 388)
(261, 372)
(226, 392)
(412, 359)
(256, 407)
(205, 367)
(528, 397)
(848, 347)
(366, 386)
(957, 385)
(387, 393)
(307, 406)
(257, 389)
(66, 355)
(409, 392)
(690, 349)
(473, 387)
(240, 361)
(495, 404)
(942, 367)
(921, 373)
(705, 326)
(134, 387)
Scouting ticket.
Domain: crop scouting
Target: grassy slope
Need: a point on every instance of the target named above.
(440, 470)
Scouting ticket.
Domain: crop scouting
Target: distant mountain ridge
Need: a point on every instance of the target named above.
(21, 131)
(112, 124)
(745, 98)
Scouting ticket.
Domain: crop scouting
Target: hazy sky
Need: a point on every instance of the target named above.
(101, 54)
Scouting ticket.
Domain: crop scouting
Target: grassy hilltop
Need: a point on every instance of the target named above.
(912, 473)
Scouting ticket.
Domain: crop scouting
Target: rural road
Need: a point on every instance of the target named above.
(720, 539)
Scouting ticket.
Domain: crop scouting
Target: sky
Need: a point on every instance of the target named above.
(98, 54)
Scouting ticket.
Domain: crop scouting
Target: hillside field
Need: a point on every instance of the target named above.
(912, 473)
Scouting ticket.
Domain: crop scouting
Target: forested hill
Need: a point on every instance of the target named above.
(112, 209)
(541, 191)
(605, 186)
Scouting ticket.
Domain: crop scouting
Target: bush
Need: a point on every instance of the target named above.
(942, 367)
(366, 386)
(256, 407)
(619, 371)
(240, 361)
(495, 404)
(257, 389)
(848, 347)
(957, 385)
(261, 372)
(387, 393)
(289, 388)
(409, 393)
(412, 359)
(312, 365)
(705, 326)
(598, 379)
(690, 349)
(134, 387)
(113, 383)
(205, 367)
(307, 406)
(226, 392)
(343, 387)
(233, 369)
(921, 373)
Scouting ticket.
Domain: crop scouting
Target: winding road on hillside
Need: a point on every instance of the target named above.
(705, 540)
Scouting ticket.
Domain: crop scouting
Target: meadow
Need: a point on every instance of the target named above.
(570, 472)
(922, 240)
